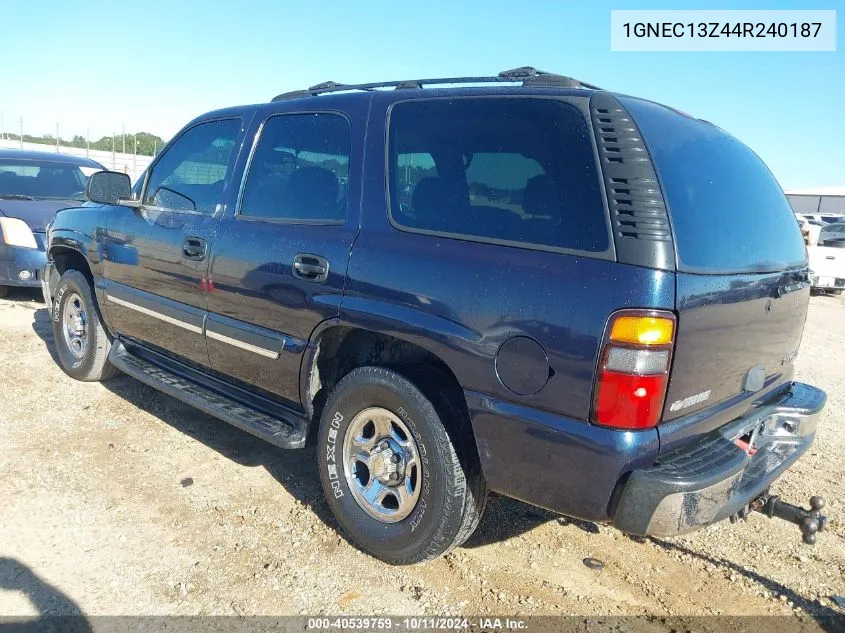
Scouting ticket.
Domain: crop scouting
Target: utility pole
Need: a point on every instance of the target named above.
(113, 159)
(155, 147)
(21, 137)
(135, 156)
(123, 135)
(57, 137)
(87, 141)
(2, 128)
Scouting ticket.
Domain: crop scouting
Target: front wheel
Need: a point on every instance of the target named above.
(82, 344)
(402, 486)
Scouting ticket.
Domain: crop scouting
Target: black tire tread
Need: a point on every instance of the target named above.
(466, 492)
(101, 368)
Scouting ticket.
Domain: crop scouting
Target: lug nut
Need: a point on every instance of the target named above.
(394, 459)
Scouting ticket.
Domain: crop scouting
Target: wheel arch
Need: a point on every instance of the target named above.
(337, 348)
(67, 256)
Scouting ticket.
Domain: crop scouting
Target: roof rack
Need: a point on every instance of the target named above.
(528, 75)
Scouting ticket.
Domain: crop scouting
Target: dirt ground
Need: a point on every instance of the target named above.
(115, 499)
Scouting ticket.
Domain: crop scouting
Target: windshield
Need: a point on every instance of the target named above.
(43, 179)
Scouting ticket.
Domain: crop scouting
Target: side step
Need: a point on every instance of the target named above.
(284, 433)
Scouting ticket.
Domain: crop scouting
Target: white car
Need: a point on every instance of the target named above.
(827, 266)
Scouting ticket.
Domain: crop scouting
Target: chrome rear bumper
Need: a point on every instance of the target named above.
(720, 474)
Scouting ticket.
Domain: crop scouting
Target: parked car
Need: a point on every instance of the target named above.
(825, 218)
(810, 219)
(33, 186)
(826, 252)
(460, 289)
(835, 231)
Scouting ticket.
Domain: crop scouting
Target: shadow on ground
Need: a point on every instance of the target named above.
(824, 615)
(296, 470)
(49, 601)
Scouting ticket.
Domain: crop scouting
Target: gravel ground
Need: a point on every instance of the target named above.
(115, 499)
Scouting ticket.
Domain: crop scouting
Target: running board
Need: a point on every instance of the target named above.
(284, 433)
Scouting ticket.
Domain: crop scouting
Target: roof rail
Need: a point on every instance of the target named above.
(529, 76)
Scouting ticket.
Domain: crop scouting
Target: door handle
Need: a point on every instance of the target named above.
(194, 248)
(310, 268)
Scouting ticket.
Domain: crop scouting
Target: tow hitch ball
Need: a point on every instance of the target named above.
(809, 521)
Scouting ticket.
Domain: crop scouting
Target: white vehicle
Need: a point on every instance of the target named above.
(827, 263)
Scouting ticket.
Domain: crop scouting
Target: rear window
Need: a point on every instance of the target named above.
(728, 212)
(511, 170)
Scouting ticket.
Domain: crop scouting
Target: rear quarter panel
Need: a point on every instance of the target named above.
(462, 300)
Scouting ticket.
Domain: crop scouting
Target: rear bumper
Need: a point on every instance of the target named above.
(552, 461)
(21, 266)
(826, 282)
(714, 478)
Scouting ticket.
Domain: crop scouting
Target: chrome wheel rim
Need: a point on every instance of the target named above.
(75, 326)
(382, 465)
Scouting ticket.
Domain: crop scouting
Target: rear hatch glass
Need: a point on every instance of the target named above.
(741, 287)
(728, 213)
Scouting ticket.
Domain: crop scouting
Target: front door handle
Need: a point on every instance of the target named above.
(194, 248)
(310, 268)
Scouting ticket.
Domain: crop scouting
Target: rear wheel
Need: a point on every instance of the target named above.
(82, 344)
(402, 486)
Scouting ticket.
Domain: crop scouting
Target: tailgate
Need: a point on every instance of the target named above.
(742, 275)
(737, 338)
(827, 262)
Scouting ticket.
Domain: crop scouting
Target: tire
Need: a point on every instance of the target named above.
(90, 362)
(4, 290)
(450, 490)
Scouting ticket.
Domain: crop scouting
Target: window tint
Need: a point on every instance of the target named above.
(43, 180)
(727, 211)
(299, 170)
(510, 169)
(190, 174)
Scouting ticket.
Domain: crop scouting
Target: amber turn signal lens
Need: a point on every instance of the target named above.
(642, 330)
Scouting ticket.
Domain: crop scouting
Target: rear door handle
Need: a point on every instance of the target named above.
(309, 267)
(194, 248)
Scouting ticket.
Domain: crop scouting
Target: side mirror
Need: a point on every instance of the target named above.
(108, 187)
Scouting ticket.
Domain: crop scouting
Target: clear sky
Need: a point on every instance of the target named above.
(153, 65)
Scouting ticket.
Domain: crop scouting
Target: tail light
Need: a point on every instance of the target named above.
(633, 369)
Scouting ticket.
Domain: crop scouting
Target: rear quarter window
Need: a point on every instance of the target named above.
(728, 213)
(507, 170)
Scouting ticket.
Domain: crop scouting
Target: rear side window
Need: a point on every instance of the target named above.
(728, 212)
(512, 170)
(299, 170)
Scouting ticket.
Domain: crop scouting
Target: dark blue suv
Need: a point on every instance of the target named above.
(524, 284)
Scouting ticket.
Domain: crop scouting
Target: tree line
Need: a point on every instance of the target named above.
(148, 144)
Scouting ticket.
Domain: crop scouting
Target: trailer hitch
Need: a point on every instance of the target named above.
(809, 521)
